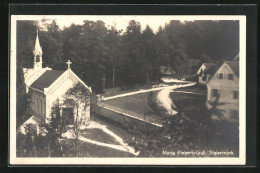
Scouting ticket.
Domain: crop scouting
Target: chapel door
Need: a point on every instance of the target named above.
(67, 116)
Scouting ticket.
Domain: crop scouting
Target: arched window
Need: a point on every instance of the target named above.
(37, 105)
(34, 103)
(37, 58)
(40, 106)
(43, 108)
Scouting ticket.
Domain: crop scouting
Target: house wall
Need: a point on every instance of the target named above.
(204, 81)
(226, 88)
(202, 67)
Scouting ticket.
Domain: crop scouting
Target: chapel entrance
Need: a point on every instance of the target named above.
(67, 116)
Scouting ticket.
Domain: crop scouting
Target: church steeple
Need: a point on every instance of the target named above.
(37, 52)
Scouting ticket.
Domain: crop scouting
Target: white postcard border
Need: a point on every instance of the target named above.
(241, 160)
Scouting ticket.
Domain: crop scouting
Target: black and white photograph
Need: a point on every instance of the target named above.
(128, 89)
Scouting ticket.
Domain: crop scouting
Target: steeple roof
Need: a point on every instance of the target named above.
(37, 48)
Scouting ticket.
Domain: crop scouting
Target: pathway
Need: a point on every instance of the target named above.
(149, 90)
(164, 99)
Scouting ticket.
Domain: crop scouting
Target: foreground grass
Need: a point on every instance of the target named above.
(137, 103)
(99, 136)
(90, 150)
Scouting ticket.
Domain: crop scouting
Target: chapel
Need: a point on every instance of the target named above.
(47, 87)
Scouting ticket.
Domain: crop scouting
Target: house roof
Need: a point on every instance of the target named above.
(46, 79)
(237, 57)
(234, 65)
(166, 70)
(211, 68)
(208, 65)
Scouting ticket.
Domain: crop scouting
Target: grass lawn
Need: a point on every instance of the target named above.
(90, 150)
(137, 103)
(99, 136)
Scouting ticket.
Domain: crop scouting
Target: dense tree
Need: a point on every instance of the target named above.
(113, 43)
(132, 52)
(105, 57)
(52, 42)
(25, 44)
(150, 69)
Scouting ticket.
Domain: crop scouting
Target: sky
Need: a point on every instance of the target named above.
(120, 22)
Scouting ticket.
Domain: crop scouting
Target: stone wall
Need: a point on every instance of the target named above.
(123, 120)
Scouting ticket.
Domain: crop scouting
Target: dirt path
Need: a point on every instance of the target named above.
(164, 99)
(149, 90)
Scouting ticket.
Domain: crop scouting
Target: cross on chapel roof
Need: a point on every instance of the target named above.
(68, 62)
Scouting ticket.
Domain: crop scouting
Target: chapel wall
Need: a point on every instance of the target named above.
(37, 104)
(58, 91)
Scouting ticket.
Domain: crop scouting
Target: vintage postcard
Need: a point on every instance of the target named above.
(127, 90)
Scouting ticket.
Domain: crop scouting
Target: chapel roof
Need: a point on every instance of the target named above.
(37, 47)
(46, 79)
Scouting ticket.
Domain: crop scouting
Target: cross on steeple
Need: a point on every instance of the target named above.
(68, 62)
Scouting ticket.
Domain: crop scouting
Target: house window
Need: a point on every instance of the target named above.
(220, 76)
(204, 78)
(214, 92)
(230, 76)
(235, 94)
(234, 114)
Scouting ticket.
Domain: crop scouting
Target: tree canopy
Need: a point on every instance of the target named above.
(105, 57)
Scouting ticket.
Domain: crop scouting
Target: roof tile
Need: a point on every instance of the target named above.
(46, 79)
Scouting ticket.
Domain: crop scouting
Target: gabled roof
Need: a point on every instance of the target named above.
(234, 65)
(237, 57)
(210, 68)
(46, 79)
(208, 65)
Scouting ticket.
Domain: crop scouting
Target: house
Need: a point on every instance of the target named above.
(47, 87)
(167, 71)
(223, 92)
(206, 71)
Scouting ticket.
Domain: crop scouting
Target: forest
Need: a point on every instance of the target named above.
(104, 57)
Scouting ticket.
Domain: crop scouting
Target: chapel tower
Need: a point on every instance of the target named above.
(37, 52)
